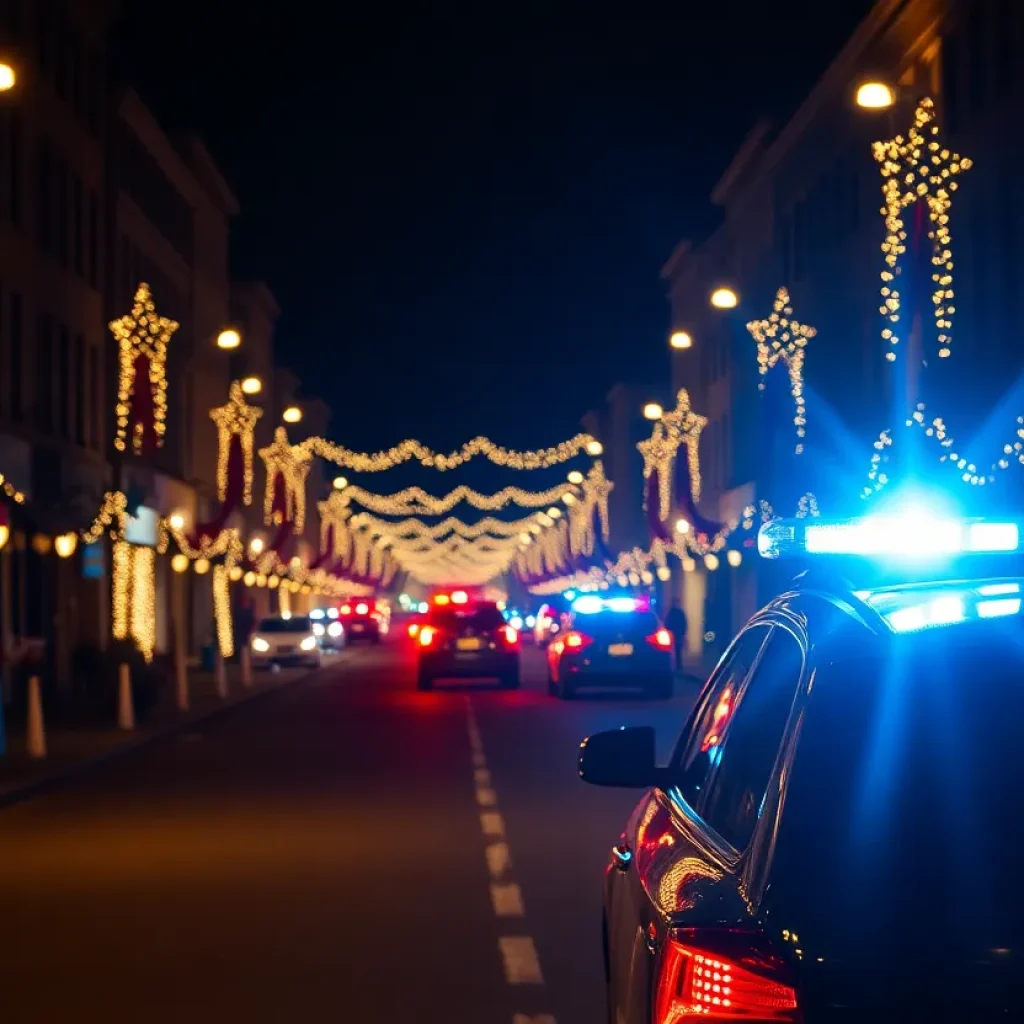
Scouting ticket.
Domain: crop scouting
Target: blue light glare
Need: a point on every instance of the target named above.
(588, 605)
(531, 621)
(515, 622)
(621, 604)
(316, 613)
(914, 608)
(570, 595)
(423, 608)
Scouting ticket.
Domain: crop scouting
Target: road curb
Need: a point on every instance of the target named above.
(16, 792)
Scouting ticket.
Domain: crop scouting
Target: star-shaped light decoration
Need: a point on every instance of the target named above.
(679, 426)
(237, 418)
(780, 337)
(919, 167)
(292, 462)
(142, 333)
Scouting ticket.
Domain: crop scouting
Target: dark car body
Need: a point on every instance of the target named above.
(834, 838)
(611, 649)
(362, 621)
(467, 642)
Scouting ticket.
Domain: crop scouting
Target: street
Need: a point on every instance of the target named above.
(345, 849)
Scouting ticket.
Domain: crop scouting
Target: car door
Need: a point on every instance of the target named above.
(637, 860)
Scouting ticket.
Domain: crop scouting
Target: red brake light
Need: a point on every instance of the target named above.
(695, 983)
(576, 641)
(662, 639)
(427, 635)
(511, 635)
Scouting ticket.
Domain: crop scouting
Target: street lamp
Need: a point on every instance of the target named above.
(594, 447)
(680, 339)
(65, 544)
(653, 411)
(8, 77)
(875, 96)
(229, 338)
(575, 477)
(724, 298)
(252, 386)
(339, 483)
(293, 414)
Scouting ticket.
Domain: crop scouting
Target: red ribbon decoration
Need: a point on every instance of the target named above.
(654, 524)
(233, 492)
(328, 550)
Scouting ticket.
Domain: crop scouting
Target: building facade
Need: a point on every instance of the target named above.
(801, 210)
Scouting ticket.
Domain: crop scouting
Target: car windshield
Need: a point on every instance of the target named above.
(608, 624)
(296, 624)
(907, 784)
(478, 617)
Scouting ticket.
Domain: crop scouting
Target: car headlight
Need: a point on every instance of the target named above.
(318, 629)
(308, 643)
(334, 629)
(260, 645)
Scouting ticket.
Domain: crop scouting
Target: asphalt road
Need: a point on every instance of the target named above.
(345, 850)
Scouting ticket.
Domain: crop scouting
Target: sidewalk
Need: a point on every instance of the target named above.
(72, 749)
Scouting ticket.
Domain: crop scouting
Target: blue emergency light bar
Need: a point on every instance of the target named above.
(591, 604)
(908, 537)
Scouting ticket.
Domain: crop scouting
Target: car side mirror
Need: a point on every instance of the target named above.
(621, 757)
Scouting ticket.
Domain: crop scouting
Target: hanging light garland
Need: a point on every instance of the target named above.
(679, 426)
(142, 338)
(919, 168)
(414, 501)
(235, 419)
(780, 337)
(110, 518)
(509, 458)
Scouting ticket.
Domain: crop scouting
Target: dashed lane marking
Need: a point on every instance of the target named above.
(519, 956)
(492, 823)
(486, 797)
(507, 900)
(499, 860)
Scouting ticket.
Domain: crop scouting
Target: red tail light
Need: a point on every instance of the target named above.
(575, 641)
(746, 986)
(427, 636)
(509, 635)
(662, 639)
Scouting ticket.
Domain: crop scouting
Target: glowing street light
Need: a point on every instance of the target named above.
(339, 483)
(64, 544)
(252, 385)
(293, 414)
(594, 447)
(680, 339)
(8, 77)
(875, 96)
(575, 477)
(229, 338)
(653, 411)
(724, 298)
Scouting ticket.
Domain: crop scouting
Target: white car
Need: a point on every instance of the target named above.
(285, 640)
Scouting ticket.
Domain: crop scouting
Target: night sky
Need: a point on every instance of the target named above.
(464, 218)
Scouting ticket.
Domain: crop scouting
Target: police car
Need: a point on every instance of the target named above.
(834, 836)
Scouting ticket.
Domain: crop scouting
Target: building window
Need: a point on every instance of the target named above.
(16, 342)
(96, 399)
(44, 196)
(79, 376)
(78, 225)
(63, 218)
(94, 239)
(43, 368)
(64, 372)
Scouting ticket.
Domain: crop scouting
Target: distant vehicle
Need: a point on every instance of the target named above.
(469, 641)
(365, 619)
(285, 640)
(328, 629)
(611, 642)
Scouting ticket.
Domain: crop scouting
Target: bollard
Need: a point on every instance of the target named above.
(246, 667)
(181, 672)
(35, 741)
(222, 676)
(125, 707)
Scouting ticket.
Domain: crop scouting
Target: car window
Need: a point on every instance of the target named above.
(700, 747)
(748, 750)
(296, 624)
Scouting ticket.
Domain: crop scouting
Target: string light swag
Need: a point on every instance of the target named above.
(235, 419)
(292, 462)
(679, 426)
(414, 501)
(915, 169)
(418, 528)
(142, 337)
(110, 517)
(509, 458)
(780, 337)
